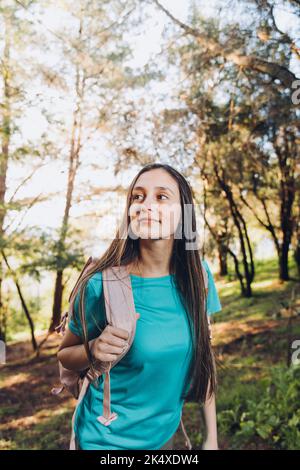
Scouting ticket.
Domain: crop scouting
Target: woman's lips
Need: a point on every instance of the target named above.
(147, 220)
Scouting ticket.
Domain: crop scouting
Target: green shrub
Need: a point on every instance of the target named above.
(273, 419)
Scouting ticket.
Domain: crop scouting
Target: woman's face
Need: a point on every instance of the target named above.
(155, 208)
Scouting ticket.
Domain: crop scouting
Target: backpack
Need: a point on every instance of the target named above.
(120, 312)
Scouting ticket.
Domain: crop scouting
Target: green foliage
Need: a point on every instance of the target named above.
(270, 417)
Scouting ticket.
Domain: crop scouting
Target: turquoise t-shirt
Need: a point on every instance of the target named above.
(146, 384)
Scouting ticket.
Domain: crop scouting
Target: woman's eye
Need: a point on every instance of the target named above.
(137, 195)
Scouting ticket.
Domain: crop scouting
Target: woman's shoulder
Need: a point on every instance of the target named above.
(96, 277)
(207, 268)
(94, 284)
(213, 300)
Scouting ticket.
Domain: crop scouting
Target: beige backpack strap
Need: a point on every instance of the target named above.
(120, 312)
(187, 439)
(83, 390)
(107, 416)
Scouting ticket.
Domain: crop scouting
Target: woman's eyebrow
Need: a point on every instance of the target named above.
(155, 187)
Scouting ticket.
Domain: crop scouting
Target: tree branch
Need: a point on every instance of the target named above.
(276, 71)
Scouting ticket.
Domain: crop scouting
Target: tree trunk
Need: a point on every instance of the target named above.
(5, 141)
(28, 316)
(222, 253)
(57, 302)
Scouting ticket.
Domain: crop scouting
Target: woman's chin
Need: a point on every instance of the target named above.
(152, 234)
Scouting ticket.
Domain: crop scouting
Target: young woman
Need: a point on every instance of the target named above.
(171, 358)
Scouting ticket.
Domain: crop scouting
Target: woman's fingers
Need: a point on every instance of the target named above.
(111, 342)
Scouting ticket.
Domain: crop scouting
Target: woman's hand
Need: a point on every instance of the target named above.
(110, 344)
(210, 444)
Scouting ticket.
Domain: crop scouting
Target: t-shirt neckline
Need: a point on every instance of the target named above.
(168, 276)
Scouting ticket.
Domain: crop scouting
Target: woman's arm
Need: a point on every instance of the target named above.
(210, 417)
(71, 352)
(209, 411)
(104, 349)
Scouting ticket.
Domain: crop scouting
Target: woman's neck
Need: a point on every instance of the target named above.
(153, 259)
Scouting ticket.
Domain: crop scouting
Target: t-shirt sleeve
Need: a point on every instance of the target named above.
(213, 301)
(94, 310)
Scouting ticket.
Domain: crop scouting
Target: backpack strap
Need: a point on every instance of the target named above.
(188, 443)
(120, 312)
(85, 385)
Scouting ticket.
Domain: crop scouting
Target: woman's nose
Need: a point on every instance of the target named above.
(148, 203)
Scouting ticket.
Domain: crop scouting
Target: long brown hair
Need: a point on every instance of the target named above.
(186, 265)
